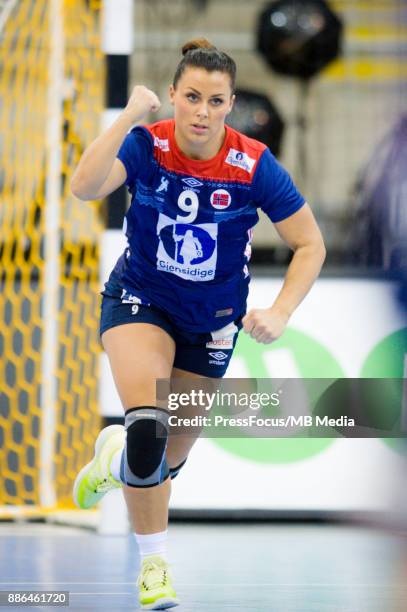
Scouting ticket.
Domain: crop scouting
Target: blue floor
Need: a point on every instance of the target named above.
(248, 567)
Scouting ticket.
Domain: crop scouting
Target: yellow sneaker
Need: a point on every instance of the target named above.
(155, 589)
(95, 480)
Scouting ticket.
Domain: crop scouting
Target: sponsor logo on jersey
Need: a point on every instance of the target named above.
(221, 199)
(192, 182)
(161, 143)
(163, 185)
(188, 251)
(240, 159)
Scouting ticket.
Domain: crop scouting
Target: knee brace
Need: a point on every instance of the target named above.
(175, 470)
(143, 462)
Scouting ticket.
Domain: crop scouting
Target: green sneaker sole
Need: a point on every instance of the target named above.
(161, 604)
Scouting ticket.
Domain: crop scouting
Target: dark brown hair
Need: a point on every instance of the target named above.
(200, 53)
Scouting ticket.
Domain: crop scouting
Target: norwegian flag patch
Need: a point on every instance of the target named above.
(221, 199)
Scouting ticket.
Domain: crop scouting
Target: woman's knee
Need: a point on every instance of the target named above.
(145, 460)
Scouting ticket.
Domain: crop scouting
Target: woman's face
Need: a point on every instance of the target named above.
(201, 101)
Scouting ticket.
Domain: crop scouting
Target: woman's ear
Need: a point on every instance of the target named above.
(171, 93)
(232, 101)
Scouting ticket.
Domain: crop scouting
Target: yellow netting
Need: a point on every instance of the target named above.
(24, 82)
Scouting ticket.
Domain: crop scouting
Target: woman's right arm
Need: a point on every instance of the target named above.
(99, 172)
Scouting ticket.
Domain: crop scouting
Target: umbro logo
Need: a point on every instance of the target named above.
(219, 355)
(192, 182)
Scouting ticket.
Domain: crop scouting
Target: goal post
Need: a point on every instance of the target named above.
(52, 80)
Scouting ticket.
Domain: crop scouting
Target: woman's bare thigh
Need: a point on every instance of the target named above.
(139, 353)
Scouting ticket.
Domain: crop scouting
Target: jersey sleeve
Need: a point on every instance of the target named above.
(136, 153)
(273, 189)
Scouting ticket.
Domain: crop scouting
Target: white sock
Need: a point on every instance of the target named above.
(115, 465)
(152, 544)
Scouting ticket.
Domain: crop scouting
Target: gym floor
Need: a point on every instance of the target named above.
(261, 567)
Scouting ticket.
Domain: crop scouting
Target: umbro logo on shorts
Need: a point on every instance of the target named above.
(218, 356)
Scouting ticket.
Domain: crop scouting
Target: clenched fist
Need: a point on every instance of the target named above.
(264, 324)
(141, 102)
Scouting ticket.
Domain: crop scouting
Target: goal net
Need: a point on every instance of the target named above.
(51, 100)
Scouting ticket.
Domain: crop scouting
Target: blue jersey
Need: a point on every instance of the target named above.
(190, 223)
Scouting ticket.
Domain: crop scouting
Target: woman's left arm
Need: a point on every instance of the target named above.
(301, 233)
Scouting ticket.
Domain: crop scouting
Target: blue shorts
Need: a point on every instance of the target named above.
(206, 354)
